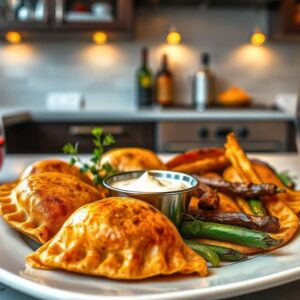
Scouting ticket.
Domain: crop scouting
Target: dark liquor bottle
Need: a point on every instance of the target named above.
(144, 82)
(164, 84)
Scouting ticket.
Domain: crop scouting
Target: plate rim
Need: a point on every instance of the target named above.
(213, 292)
(236, 288)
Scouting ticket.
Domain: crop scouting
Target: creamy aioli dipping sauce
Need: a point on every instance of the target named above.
(148, 183)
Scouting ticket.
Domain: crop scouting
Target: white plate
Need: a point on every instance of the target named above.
(258, 273)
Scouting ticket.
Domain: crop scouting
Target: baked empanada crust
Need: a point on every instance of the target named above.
(60, 166)
(54, 165)
(131, 159)
(118, 238)
(40, 204)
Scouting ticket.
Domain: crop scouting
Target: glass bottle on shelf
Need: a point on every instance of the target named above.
(204, 84)
(144, 81)
(164, 84)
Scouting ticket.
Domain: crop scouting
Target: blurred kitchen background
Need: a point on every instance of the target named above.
(68, 65)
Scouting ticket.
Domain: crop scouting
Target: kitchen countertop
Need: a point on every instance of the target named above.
(17, 115)
(14, 164)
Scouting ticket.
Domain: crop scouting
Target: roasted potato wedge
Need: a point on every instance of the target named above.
(199, 161)
(276, 206)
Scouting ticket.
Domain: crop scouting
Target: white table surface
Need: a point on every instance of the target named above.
(14, 164)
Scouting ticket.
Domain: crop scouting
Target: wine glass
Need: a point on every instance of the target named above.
(2, 143)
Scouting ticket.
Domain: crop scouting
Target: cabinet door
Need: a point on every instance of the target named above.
(25, 14)
(58, 17)
(285, 20)
(110, 15)
(291, 16)
(51, 137)
(254, 136)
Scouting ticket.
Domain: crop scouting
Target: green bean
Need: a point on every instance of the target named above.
(227, 254)
(229, 233)
(257, 207)
(207, 253)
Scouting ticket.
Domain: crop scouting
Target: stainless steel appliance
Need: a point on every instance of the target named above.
(254, 136)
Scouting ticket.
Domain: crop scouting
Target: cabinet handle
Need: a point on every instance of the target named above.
(85, 130)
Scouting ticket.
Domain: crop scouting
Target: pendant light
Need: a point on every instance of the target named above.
(173, 36)
(258, 37)
(100, 38)
(13, 37)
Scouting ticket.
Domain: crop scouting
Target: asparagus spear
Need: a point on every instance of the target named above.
(207, 253)
(223, 252)
(257, 207)
(229, 233)
(260, 223)
(286, 179)
(245, 190)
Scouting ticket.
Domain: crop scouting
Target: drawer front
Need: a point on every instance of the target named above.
(254, 136)
(51, 137)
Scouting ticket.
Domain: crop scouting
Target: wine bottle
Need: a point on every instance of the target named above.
(144, 82)
(164, 84)
(204, 84)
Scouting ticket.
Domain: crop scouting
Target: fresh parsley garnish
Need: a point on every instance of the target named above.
(101, 141)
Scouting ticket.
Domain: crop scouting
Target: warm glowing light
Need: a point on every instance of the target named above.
(181, 55)
(104, 56)
(18, 55)
(13, 37)
(100, 38)
(173, 38)
(258, 38)
(297, 14)
(252, 59)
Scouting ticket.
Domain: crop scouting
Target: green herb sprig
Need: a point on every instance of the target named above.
(98, 170)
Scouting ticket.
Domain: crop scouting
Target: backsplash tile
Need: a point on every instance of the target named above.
(105, 74)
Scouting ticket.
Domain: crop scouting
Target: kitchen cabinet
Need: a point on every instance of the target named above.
(23, 15)
(118, 18)
(285, 20)
(33, 17)
(44, 137)
(160, 136)
(257, 136)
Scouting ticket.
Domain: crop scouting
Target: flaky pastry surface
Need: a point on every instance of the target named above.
(54, 165)
(119, 238)
(131, 159)
(39, 204)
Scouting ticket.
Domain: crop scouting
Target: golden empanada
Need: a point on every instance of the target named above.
(131, 159)
(60, 166)
(40, 204)
(119, 238)
(54, 165)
